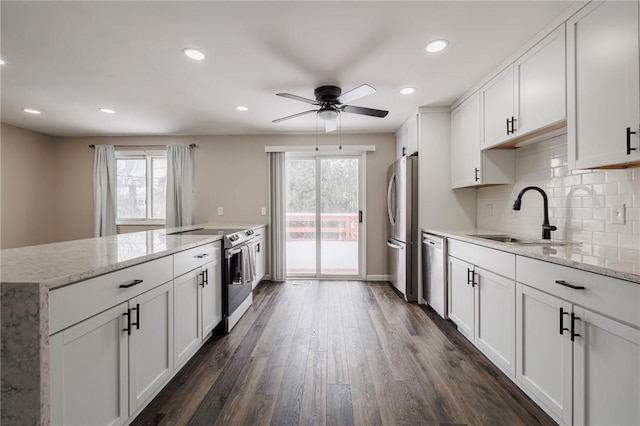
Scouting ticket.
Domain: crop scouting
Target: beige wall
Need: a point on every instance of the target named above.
(27, 182)
(230, 172)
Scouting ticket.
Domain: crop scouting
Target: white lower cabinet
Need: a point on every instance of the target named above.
(89, 370)
(580, 365)
(606, 371)
(197, 300)
(260, 251)
(482, 302)
(543, 355)
(150, 344)
(106, 367)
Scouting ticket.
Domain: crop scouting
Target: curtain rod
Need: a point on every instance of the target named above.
(192, 145)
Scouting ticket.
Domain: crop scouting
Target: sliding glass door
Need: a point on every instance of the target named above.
(324, 221)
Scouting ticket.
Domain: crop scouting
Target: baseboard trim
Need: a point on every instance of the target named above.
(378, 277)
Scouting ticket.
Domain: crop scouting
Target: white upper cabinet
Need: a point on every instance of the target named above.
(529, 96)
(465, 143)
(603, 86)
(407, 137)
(498, 109)
(541, 90)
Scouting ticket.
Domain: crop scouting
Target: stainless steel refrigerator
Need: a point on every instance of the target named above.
(403, 236)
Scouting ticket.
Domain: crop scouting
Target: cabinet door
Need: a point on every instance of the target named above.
(465, 143)
(540, 74)
(606, 371)
(603, 84)
(186, 311)
(211, 294)
(497, 107)
(89, 371)
(461, 302)
(150, 344)
(543, 355)
(495, 319)
(260, 260)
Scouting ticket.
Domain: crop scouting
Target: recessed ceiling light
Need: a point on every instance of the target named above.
(436, 46)
(107, 110)
(194, 54)
(31, 111)
(408, 90)
(2, 62)
(242, 108)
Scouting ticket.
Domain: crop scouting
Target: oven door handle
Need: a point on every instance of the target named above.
(232, 252)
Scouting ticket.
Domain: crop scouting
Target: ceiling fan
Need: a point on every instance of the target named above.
(332, 102)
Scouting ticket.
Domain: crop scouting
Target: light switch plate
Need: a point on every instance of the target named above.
(263, 211)
(618, 214)
(220, 211)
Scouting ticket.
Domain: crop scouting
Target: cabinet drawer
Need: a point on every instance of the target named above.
(612, 297)
(191, 259)
(496, 261)
(76, 302)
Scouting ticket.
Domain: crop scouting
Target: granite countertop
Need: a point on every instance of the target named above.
(621, 263)
(58, 264)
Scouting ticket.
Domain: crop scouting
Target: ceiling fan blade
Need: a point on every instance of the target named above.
(298, 98)
(277, 120)
(356, 93)
(364, 111)
(330, 125)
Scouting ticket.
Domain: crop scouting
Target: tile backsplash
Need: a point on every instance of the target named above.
(580, 201)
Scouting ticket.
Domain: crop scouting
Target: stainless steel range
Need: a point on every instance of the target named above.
(238, 271)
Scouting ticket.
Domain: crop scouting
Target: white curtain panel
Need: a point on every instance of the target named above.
(104, 190)
(179, 186)
(277, 188)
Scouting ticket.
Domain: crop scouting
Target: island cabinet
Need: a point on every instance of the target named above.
(578, 343)
(482, 300)
(111, 344)
(197, 298)
(603, 90)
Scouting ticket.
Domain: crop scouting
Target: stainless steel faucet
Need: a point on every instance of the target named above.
(546, 228)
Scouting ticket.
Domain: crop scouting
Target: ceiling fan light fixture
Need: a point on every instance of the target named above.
(194, 54)
(437, 46)
(328, 114)
(407, 90)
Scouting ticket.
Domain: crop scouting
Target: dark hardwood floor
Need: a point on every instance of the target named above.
(339, 353)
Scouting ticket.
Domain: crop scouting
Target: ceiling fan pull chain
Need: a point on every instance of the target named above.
(340, 129)
(316, 132)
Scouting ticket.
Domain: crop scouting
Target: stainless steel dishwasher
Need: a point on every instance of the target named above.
(434, 272)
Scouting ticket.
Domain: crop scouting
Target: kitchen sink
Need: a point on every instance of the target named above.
(508, 239)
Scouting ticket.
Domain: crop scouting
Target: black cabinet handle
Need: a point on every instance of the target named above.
(573, 326)
(469, 271)
(137, 323)
(202, 282)
(258, 245)
(473, 279)
(513, 124)
(206, 276)
(566, 284)
(128, 328)
(508, 128)
(629, 133)
(200, 256)
(477, 171)
(562, 327)
(131, 284)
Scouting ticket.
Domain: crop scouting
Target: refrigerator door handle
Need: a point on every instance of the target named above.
(390, 211)
(395, 246)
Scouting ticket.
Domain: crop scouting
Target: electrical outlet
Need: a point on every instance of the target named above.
(263, 211)
(617, 214)
(220, 211)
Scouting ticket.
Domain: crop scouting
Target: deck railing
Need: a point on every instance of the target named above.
(334, 226)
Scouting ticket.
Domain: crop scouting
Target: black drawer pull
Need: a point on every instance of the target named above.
(200, 256)
(566, 284)
(131, 284)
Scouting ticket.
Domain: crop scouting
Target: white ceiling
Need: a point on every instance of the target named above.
(67, 59)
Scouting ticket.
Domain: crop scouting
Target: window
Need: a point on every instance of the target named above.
(141, 188)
